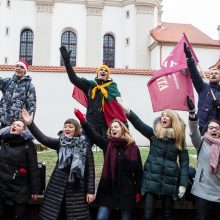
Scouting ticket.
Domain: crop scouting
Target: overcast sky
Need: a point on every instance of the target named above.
(203, 14)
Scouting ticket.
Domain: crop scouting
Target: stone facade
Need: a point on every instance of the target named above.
(91, 20)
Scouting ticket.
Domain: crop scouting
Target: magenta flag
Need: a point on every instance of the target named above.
(79, 96)
(170, 86)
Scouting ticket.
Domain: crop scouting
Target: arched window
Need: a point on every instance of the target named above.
(26, 46)
(109, 50)
(69, 40)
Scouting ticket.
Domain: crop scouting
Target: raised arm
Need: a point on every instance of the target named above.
(53, 143)
(194, 73)
(74, 79)
(193, 125)
(139, 125)
(4, 83)
(98, 139)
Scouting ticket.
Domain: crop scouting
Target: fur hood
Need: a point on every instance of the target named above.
(26, 134)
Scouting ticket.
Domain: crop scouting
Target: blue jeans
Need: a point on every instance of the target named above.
(104, 213)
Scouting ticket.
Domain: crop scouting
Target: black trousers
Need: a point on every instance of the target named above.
(12, 212)
(206, 210)
(149, 206)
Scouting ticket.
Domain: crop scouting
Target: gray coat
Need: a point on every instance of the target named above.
(206, 184)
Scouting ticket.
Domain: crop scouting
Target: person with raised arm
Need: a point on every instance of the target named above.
(119, 186)
(71, 187)
(166, 169)
(206, 184)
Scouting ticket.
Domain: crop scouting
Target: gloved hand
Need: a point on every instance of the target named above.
(123, 104)
(65, 54)
(187, 51)
(182, 190)
(79, 115)
(217, 105)
(138, 197)
(191, 106)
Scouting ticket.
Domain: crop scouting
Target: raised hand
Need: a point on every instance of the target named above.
(65, 54)
(191, 106)
(26, 116)
(123, 104)
(79, 115)
(187, 51)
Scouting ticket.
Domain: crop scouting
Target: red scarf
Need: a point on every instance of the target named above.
(130, 152)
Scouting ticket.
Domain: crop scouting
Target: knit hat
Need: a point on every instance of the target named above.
(23, 63)
(103, 66)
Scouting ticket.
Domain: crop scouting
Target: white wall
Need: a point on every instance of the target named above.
(20, 15)
(55, 104)
(207, 56)
(69, 17)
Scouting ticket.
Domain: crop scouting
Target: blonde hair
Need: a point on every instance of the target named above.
(176, 131)
(125, 132)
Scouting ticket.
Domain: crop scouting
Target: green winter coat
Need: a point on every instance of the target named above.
(163, 173)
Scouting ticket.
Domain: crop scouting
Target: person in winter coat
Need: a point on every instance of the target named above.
(19, 176)
(101, 94)
(163, 177)
(119, 186)
(206, 185)
(208, 93)
(71, 187)
(17, 92)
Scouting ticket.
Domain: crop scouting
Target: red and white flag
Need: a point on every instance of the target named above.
(170, 86)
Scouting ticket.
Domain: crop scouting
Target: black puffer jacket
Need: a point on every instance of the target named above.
(59, 188)
(19, 176)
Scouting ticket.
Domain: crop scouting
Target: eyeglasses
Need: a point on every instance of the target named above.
(214, 127)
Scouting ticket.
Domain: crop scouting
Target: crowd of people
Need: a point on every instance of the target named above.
(124, 180)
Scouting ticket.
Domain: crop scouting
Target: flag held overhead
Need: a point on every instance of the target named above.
(171, 84)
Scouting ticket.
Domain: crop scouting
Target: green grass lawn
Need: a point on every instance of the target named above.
(50, 158)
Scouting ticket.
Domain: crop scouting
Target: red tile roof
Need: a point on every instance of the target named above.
(172, 33)
(146, 72)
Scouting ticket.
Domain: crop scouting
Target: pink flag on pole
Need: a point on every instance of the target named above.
(169, 86)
